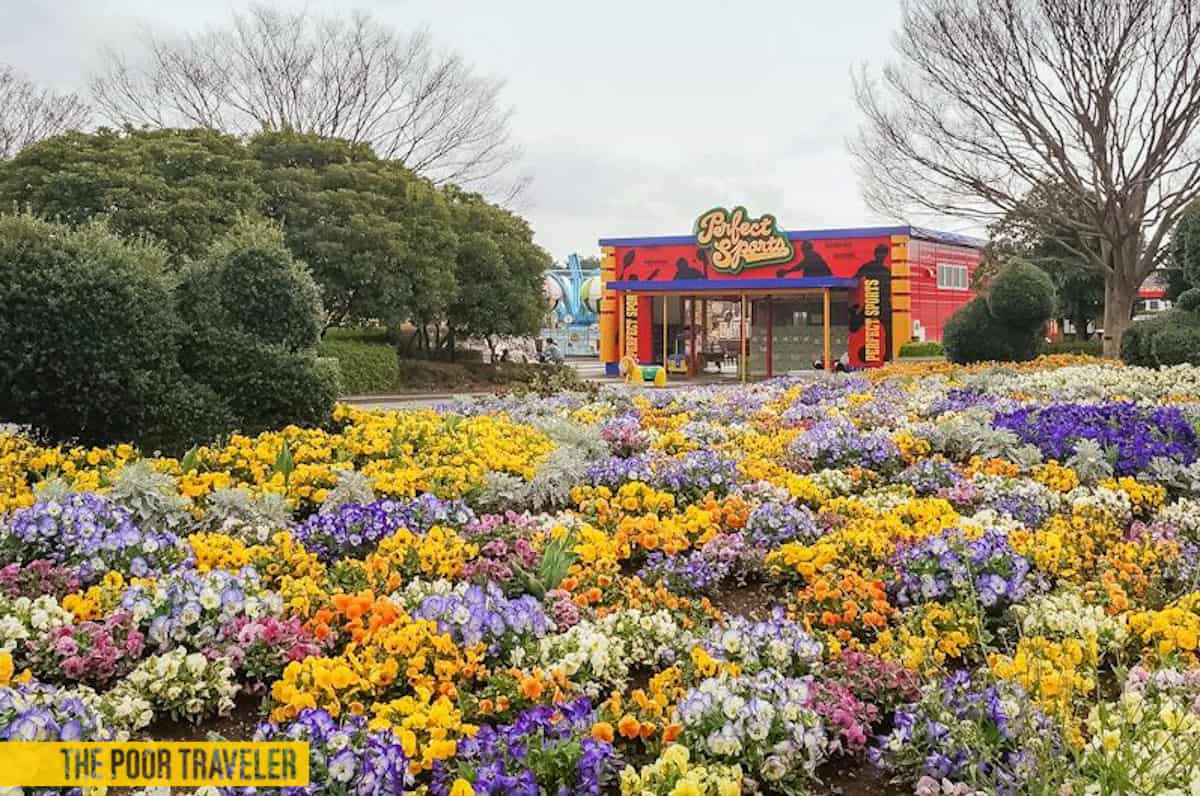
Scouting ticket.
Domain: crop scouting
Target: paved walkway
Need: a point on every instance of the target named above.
(415, 401)
(588, 369)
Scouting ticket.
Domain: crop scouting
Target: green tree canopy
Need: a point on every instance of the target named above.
(382, 243)
(499, 271)
(377, 237)
(1185, 252)
(1031, 232)
(182, 188)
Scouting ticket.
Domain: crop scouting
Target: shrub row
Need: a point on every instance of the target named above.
(924, 348)
(1093, 348)
(102, 343)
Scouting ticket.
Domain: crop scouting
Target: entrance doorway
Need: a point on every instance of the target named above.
(749, 336)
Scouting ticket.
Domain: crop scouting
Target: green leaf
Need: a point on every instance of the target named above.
(284, 463)
(191, 460)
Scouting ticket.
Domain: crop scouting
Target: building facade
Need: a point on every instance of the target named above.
(797, 298)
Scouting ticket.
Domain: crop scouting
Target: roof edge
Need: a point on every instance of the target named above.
(919, 233)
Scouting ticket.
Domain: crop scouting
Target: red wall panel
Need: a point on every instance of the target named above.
(932, 306)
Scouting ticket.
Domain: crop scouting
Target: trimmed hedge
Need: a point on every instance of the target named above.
(369, 365)
(1189, 300)
(366, 365)
(1168, 338)
(1176, 345)
(926, 348)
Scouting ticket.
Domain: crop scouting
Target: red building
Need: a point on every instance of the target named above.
(798, 296)
(942, 273)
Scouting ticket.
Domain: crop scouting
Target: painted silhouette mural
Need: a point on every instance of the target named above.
(811, 263)
(871, 314)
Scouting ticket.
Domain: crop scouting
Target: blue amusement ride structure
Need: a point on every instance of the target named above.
(573, 299)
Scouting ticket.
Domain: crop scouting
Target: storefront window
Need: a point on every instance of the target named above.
(796, 327)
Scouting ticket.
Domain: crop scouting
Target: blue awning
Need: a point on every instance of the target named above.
(731, 285)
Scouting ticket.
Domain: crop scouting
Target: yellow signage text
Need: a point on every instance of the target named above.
(177, 763)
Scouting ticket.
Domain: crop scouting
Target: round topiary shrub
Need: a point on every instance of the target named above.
(264, 387)
(252, 320)
(87, 331)
(1176, 345)
(249, 281)
(1189, 300)
(1135, 347)
(970, 334)
(1021, 295)
(1168, 338)
(1008, 323)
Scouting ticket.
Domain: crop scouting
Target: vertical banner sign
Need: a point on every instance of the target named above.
(631, 325)
(872, 322)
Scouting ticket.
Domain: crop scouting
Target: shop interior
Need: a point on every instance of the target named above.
(747, 337)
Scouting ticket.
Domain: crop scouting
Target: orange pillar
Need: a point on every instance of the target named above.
(742, 343)
(610, 326)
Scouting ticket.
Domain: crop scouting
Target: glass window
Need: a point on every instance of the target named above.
(952, 277)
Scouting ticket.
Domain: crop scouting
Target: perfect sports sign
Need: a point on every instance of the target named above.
(736, 240)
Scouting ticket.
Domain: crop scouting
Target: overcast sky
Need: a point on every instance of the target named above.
(634, 116)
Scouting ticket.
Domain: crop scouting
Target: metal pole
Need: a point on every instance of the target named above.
(742, 335)
(664, 332)
(825, 321)
(692, 342)
(770, 339)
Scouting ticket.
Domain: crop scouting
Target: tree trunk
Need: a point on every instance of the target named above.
(1119, 296)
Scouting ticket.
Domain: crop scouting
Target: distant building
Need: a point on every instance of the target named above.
(1152, 297)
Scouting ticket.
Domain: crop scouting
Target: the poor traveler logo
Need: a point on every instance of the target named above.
(737, 240)
(146, 763)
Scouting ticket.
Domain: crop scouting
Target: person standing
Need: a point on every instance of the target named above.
(550, 353)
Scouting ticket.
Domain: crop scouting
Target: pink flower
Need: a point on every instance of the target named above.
(73, 667)
(249, 633)
(66, 646)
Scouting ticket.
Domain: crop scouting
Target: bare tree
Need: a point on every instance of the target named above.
(29, 113)
(990, 98)
(349, 77)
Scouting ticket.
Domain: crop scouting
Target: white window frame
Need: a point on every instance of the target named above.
(953, 276)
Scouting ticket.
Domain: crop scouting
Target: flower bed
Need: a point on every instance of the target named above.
(954, 580)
